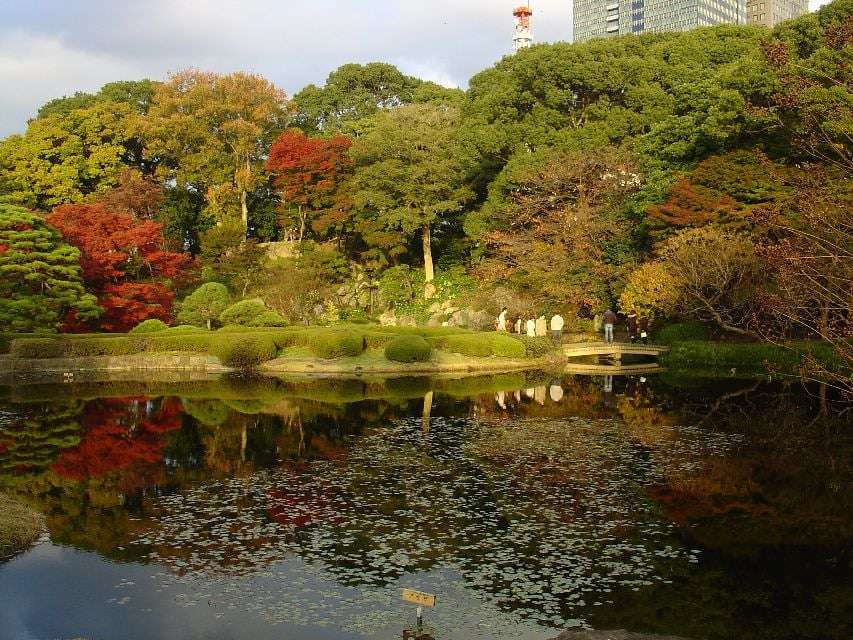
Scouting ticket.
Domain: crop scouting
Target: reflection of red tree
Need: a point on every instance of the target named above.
(120, 434)
(301, 504)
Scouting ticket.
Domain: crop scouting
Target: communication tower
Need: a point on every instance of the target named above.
(523, 37)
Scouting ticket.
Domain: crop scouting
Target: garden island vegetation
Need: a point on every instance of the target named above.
(700, 176)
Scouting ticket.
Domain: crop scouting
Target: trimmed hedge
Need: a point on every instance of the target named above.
(7, 338)
(37, 348)
(243, 351)
(152, 325)
(408, 348)
(336, 343)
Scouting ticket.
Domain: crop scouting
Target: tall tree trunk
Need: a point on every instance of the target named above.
(429, 272)
(301, 224)
(244, 209)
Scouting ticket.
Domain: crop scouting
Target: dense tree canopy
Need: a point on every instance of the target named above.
(211, 133)
(408, 177)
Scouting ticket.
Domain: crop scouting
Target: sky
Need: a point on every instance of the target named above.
(54, 48)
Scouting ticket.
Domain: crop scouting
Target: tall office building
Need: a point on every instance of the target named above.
(772, 12)
(603, 18)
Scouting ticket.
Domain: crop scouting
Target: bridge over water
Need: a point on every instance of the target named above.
(613, 350)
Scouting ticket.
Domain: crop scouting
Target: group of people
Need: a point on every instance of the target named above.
(637, 325)
(532, 326)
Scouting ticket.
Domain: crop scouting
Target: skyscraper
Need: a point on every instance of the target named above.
(603, 18)
(772, 12)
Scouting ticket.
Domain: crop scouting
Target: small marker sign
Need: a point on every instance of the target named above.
(419, 597)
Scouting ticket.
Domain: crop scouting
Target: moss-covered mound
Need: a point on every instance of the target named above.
(408, 348)
(335, 343)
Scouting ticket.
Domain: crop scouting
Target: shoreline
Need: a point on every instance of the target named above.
(195, 367)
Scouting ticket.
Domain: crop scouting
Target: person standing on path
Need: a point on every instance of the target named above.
(502, 320)
(644, 328)
(632, 325)
(557, 329)
(531, 327)
(541, 326)
(608, 319)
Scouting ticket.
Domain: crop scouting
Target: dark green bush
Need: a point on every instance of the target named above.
(243, 351)
(244, 313)
(37, 348)
(535, 346)
(683, 332)
(152, 325)
(408, 348)
(335, 343)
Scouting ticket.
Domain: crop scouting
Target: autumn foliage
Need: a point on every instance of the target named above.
(120, 435)
(308, 173)
(123, 265)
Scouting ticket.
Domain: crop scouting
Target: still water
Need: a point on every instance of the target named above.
(527, 503)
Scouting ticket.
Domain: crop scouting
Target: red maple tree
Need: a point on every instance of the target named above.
(309, 173)
(123, 264)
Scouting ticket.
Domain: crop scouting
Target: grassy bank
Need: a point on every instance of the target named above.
(747, 359)
(20, 527)
(249, 348)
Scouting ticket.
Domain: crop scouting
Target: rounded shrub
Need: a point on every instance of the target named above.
(270, 319)
(408, 348)
(335, 343)
(243, 351)
(243, 313)
(152, 325)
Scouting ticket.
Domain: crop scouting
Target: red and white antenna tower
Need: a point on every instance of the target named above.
(523, 37)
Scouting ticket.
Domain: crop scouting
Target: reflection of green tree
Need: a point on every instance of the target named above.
(33, 436)
(207, 412)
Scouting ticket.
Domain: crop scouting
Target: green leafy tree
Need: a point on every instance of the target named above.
(211, 133)
(353, 93)
(227, 255)
(40, 275)
(408, 178)
(64, 158)
(204, 305)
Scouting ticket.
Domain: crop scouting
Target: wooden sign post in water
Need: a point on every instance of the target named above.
(422, 600)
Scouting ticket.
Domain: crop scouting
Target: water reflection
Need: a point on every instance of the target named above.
(529, 502)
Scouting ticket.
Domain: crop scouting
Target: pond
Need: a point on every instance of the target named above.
(527, 503)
